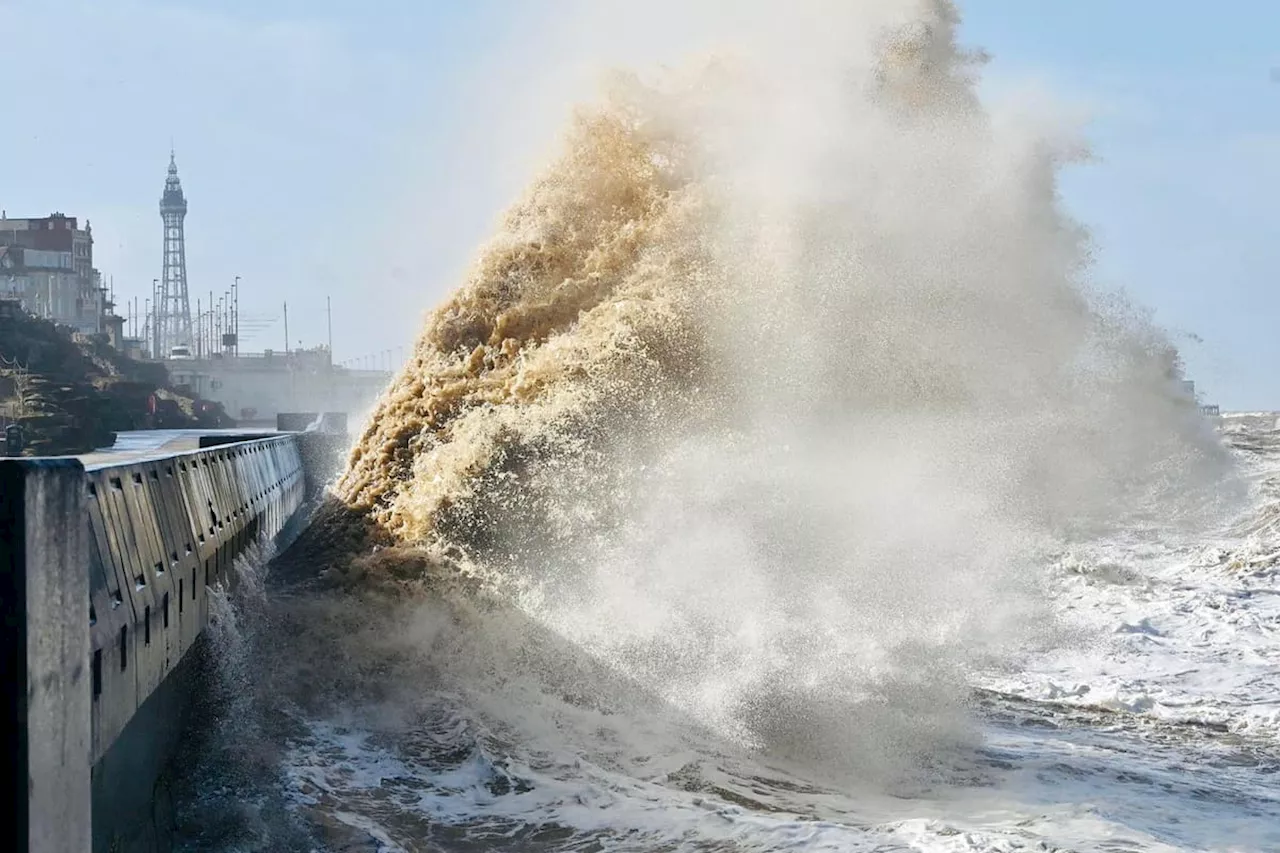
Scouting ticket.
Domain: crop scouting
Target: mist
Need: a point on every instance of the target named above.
(778, 387)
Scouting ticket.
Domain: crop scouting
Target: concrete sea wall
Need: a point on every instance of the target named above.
(163, 532)
(44, 655)
(104, 585)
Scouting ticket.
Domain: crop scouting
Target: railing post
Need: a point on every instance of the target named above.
(44, 655)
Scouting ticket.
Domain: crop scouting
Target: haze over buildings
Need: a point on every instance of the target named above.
(380, 202)
(46, 270)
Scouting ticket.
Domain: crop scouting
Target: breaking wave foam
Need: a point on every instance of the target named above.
(773, 390)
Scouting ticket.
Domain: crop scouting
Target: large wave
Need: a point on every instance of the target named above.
(772, 390)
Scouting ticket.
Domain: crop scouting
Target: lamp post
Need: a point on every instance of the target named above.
(157, 337)
(235, 315)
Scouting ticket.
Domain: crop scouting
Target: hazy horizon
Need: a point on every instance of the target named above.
(364, 153)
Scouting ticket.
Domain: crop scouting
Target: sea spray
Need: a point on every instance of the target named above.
(232, 797)
(771, 393)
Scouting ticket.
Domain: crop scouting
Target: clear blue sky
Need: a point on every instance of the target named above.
(362, 150)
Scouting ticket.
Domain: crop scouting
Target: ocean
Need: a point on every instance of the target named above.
(777, 478)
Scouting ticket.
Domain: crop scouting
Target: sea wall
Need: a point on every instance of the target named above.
(162, 533)
(44, 655)
(105, 582)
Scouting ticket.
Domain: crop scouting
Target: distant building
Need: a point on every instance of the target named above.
(113, 328)
(1188, 388)
(135, 348)
(173, 328)
(254, 387)
(56, 232)
(46, 264)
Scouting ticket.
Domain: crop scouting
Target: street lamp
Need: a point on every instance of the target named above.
(156, 337)
(235, 315)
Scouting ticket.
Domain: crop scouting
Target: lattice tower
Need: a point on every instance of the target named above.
(173, 311)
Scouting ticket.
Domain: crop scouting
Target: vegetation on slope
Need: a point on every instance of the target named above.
(72, 393)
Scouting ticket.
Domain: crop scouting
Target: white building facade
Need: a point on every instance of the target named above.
(46, 264)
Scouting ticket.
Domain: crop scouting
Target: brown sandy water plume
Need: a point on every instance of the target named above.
(776, 385)
(572, 312)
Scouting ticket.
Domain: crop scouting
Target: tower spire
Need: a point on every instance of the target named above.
(173, 309)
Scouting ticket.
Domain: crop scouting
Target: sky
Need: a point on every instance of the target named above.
(361, 152)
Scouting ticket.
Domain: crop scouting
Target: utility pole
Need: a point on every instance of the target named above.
(286, 328)
(235, 315)
(156, 312)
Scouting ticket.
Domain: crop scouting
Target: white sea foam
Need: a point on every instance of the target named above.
(1154, 731)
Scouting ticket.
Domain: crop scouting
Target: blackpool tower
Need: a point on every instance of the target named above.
(173, 308)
